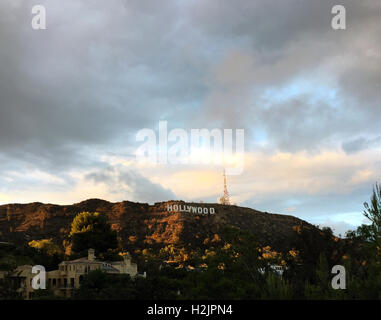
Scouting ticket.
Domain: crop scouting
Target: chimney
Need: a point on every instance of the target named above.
(91, 255)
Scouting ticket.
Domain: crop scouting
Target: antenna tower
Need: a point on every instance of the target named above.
(225, 199)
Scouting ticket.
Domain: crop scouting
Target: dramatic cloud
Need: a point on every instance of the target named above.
(72, 98)
(361, 144)
(129, 184)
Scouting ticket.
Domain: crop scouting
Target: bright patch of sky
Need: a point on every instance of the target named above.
(340, 223)
(315, 90)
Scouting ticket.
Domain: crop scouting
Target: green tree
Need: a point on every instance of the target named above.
(372, 211)
(319, 287)
(98, 285)
(276, 288)
(9, 289)
(92, 230)
(46, 245)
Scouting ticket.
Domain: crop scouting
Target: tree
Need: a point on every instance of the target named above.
(46, 253)
(9, 289)
(276, 288)
(46, 245)
(372, 232)
(91, 230)
(98, 285)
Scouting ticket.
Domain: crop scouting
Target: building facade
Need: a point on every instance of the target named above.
(70, 274)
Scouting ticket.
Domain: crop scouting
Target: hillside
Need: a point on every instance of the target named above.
(143, 225)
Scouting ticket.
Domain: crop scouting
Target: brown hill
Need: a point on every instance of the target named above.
(145, 225)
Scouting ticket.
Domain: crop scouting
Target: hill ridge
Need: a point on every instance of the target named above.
(148, 225)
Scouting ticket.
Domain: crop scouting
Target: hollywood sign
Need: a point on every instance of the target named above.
(190, 209)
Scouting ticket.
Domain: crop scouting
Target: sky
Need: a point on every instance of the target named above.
(74, 96)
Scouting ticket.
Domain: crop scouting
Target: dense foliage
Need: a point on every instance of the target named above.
(91, 230)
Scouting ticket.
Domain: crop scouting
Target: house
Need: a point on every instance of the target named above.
(70, 274)
(277, 269)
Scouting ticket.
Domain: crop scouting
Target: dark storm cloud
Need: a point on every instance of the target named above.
(268, 25)
(101, 72)
(274, 43)
(98, 73)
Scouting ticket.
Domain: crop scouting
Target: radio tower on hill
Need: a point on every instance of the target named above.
(225, 199)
